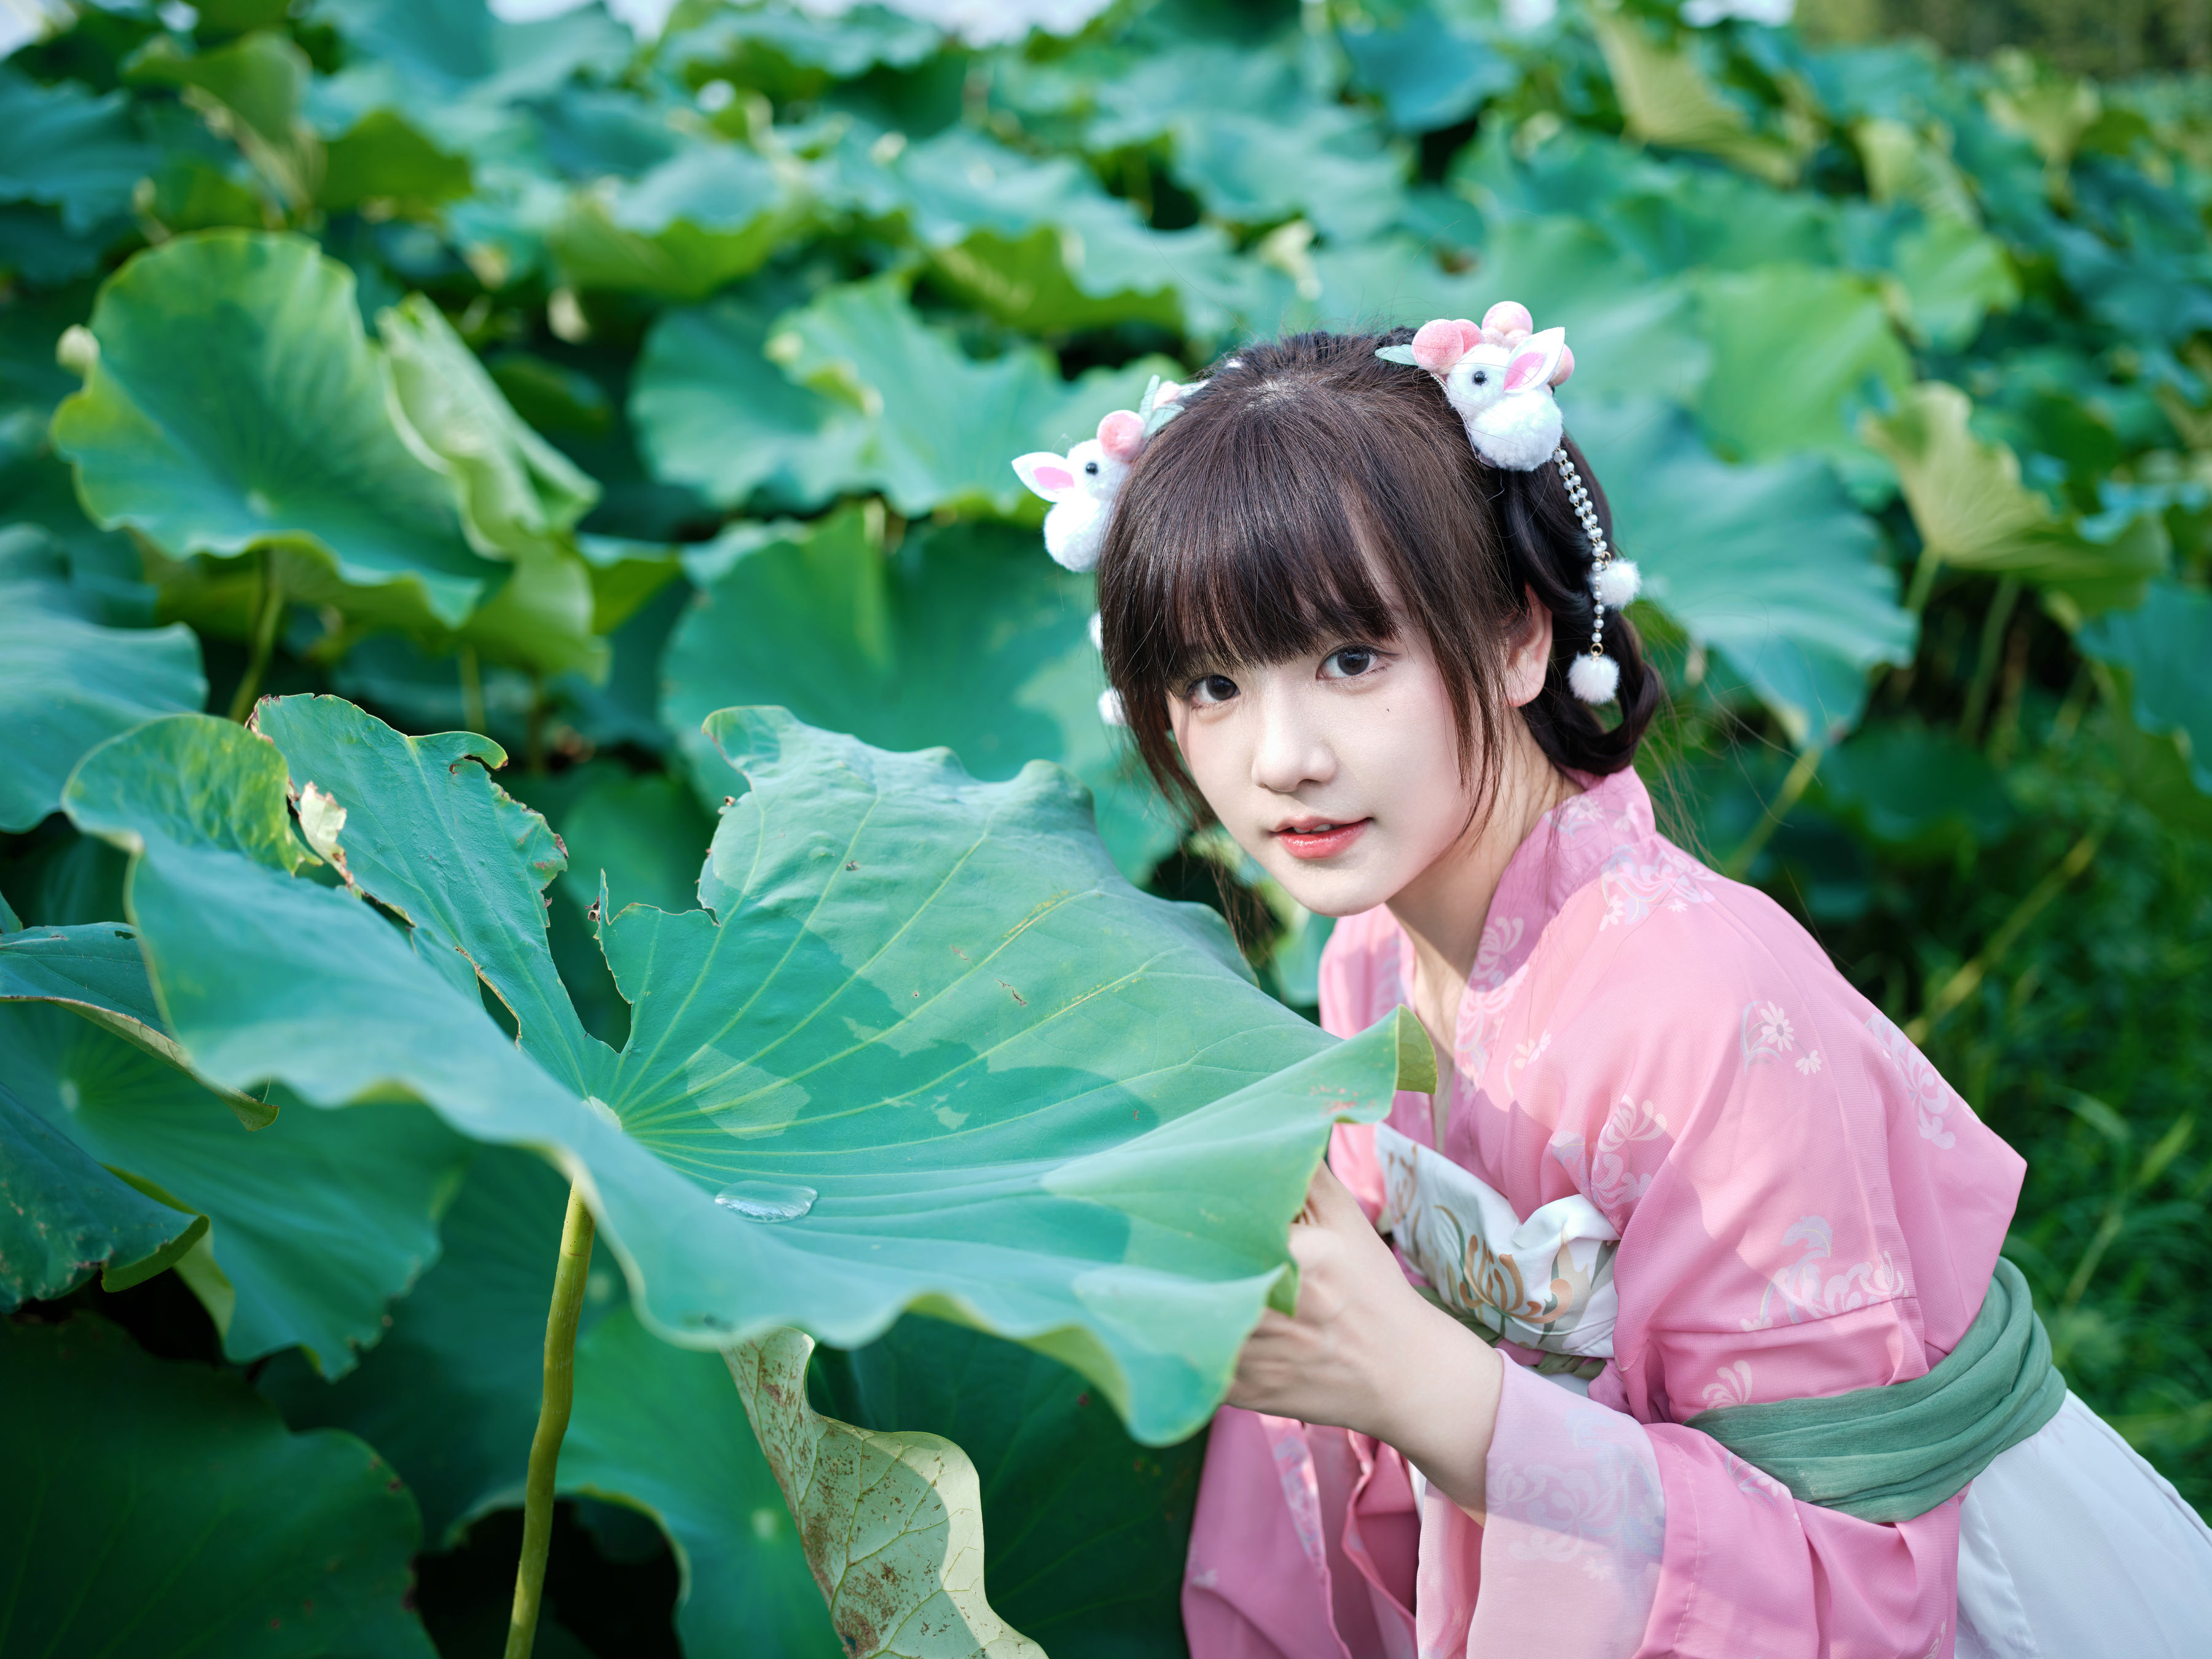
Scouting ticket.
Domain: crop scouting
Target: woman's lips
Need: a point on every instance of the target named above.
(1320, 842)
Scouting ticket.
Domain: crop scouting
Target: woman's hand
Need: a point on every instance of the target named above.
(1364, 1351)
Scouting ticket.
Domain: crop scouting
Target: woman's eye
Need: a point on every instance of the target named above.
(1212, 688)
(1349, 663)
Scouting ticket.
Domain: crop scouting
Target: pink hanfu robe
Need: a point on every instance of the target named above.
(1802, 1207)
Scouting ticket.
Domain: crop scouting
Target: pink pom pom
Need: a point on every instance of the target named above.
(1567, 366)
(1507, 316)
(1470, 334)
(1121, 435)
(1438, 346)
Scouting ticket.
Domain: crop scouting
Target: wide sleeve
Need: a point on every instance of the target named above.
(1359, 986)
(1804, 1208)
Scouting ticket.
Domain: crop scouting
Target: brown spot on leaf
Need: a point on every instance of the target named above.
(1012, 993)
(852, 864)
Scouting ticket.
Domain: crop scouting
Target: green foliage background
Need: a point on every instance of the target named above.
(543, 382)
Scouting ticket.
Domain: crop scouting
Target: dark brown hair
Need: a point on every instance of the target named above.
(1256, 524)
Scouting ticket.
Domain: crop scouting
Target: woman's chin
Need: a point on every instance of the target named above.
(1333, 891)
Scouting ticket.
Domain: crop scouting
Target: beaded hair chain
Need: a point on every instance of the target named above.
(1593, 675)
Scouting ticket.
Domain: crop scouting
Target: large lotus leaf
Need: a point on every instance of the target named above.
(789, 53)
(235, 403)
(454, 66)
(1952, 277)
(62, 1217)
(1039, 246)
(1794, 347)
(319, 1220)
(94, 970)
(1428, 73)
(1668, 100)
(383, 163)
(1087, 1532)
(466, 48)
(1973, 511)
(1918, 789)
(1803, 628)
(943, 428)
(1252, 142)
(2148, 292)
(519, 496)
(2166, 646)
(1671, 218)
(882, 401)
(1903, 164)
(516, 488)
(892, 1520)
(709, 214)
(161, 1508)
(67, 682)
(926, 987)
(451, 1397)
(970, 637)
(1328, 162)
(712, 409)
(35, 246)
(64, 147)
(253, 90)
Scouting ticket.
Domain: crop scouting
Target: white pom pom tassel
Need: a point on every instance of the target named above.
(1097, 632)
(1594, 679)
(1109, 707)
(1618, 583)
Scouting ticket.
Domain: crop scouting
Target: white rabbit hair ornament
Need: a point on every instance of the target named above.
(1498, 376)
(1082, 483)
(1080, 486)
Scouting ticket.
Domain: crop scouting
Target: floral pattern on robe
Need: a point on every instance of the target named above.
(1804, 1207)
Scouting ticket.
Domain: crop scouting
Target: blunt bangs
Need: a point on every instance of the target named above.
(1254, 555)
(1310, 495)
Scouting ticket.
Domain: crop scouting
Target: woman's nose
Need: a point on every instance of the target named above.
(1288, 751)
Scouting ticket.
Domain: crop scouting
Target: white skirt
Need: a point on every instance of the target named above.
(2071, 1546)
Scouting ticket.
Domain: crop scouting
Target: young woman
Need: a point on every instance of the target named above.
(1675, 1167)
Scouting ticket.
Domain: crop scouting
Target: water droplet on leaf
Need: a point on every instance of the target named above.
(767, 1201)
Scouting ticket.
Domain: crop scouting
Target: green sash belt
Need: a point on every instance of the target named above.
(1896, 1451)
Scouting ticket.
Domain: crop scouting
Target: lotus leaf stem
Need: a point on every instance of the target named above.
(568, 1278)
(1793, 787)
(269, 611)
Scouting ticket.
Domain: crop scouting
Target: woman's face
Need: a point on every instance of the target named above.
(1340, 772)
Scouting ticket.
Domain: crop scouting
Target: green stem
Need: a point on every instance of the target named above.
(269, 613)
(1967, 977)
(552, 1423)
(472, 708)
(1985, 662)
(1793, 788)
(1924, 581)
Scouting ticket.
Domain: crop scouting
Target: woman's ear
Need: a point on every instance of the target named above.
(1530, 658)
